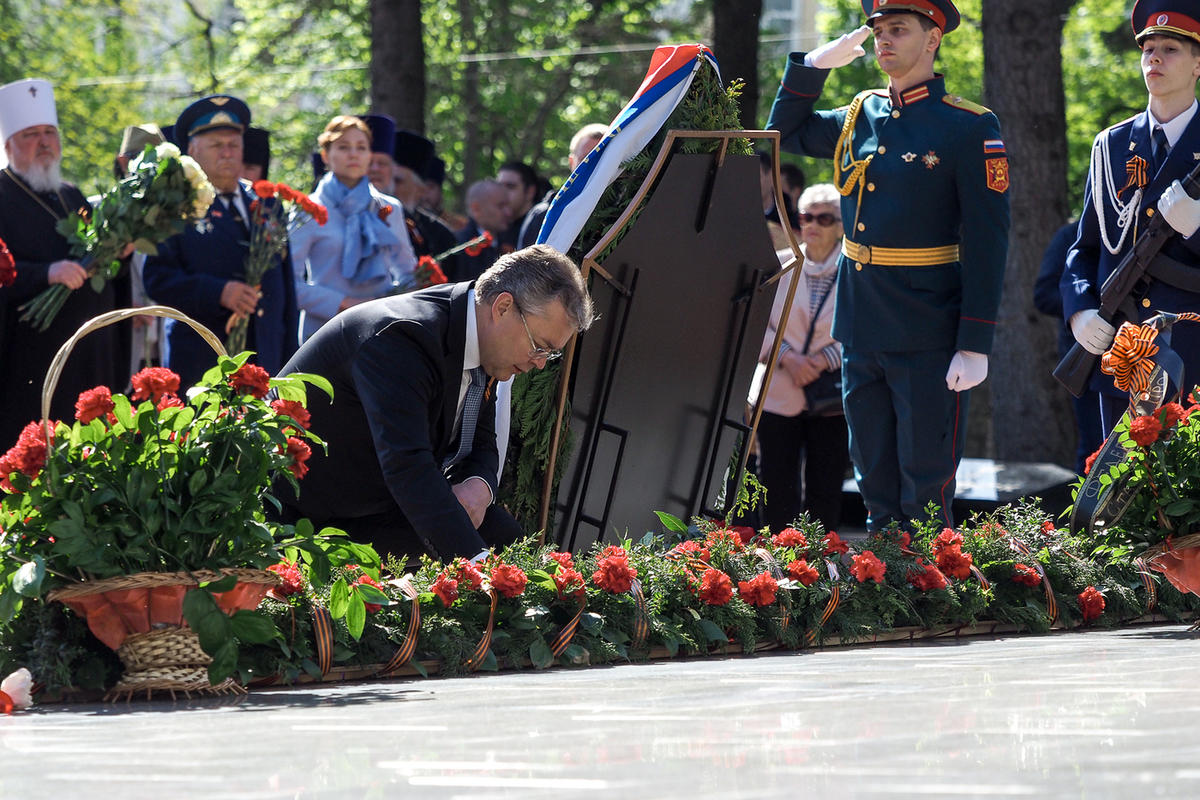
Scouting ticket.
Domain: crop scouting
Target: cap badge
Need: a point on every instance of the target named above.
(1162, 19)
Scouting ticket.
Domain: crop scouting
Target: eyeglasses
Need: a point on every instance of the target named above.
(824, 219)
(537, 353)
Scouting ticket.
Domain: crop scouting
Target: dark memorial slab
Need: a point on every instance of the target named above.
(659, 383)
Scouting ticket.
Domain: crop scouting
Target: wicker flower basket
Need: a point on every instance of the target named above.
(141, 616)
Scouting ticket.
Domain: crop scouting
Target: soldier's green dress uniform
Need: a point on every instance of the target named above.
(924, 179)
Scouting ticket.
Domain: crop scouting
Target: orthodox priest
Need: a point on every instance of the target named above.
(33, 198)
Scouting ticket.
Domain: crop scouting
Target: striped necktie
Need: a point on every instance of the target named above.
(470, 416)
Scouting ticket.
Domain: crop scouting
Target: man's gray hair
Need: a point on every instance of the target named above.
(536, 276)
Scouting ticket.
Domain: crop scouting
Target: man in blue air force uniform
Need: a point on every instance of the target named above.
(201, 271)
(924, 180)
(1132, 178)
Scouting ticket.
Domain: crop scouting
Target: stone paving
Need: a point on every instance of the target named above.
(1092, 714)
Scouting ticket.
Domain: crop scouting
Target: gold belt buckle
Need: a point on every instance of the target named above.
(864, 253)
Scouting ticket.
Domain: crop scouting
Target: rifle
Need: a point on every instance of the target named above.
(1128, 279)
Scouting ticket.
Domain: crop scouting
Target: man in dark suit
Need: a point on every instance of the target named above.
(201, 270)
(412, 462)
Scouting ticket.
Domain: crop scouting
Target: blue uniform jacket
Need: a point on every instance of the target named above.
(1090, 263)
(938, 177)
(190, 271)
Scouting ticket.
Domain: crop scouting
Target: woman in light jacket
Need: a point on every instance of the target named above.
(363, 251)
(793, 437)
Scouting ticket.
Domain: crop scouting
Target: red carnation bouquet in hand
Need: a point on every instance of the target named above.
(269, 215)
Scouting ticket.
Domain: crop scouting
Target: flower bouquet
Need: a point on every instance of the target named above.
(162, 194)
(125, 512)
(269, 241)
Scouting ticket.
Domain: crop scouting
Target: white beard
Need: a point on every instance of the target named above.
(42, 179)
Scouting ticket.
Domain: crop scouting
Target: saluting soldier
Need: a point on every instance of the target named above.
(924, 182)
(1135, 171)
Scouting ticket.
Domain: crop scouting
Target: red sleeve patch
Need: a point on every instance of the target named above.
(997, 174)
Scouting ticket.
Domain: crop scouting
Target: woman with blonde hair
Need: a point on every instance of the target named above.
(363, 251)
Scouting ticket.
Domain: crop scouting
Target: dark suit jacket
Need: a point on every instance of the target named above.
(396, 367)
(190, 271)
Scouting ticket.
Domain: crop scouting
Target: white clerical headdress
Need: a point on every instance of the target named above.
(23, 104)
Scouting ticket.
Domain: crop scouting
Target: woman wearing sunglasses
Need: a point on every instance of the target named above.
(802, 439)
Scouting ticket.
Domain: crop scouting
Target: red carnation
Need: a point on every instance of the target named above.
(264, 189)
(251, 379)
(479, 244)
(291, 579)
(716, 589)
(1172, 413)
(866, 566)
(1091, 603)
(467, 574)
(299, 451)
(800, 570)
(293, 409)
(928, 579)
(429, 273)
(613, 572)
(905, 538)
(568, 580)
(689, 548)
(947, 538)
(93, 404)
(759, 590)
(446, 589)
(723, 536)
(1026, 575)
(369, 581)
(790, 537)
(954, 562)
(287, 192)
(562, 558)
(28, 455)
(152, 383)
(1145, 430)
(385, 212)
(508, 579)
(834, 544)
(8, 266)
(168, 401)
(1047, 527)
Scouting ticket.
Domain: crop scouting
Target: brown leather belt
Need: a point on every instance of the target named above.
(900, 256)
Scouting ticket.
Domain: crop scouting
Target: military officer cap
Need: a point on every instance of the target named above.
(256, 148)
(136, 137)
(383, 132)
(941, 12)
(1177, 18)
(413, 151)
(213, 113)
(435, 171)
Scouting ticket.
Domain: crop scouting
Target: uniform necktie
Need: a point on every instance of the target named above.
(1159, 147)
(470, 416)
(232, 205)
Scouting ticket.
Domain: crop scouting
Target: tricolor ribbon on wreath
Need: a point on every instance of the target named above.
(1143, 364)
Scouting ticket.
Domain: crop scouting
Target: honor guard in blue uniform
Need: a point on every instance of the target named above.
(201, 271)
(924, 182)
(1135, 170)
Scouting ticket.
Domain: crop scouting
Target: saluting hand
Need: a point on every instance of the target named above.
(840, 52)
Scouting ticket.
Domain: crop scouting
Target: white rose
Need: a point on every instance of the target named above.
(166, 150)
(17, 686)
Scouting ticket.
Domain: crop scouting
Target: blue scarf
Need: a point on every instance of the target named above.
(367, 239)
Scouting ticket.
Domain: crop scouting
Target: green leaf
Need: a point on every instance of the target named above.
(372, 595)
(577, 654)
(318, 381)
(712, 632)
(356, 616)
(310, 666)
(671, 522)
(224, 662)
(490, 664)
(123, 410)
(222, 585)
(1179, 507)
(208, 621)
(540, 655)
(27, 580)
(197, 481)
(253, 627)
(339, 598)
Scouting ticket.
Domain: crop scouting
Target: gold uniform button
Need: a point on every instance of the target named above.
(870, 187)
(895, 114)
(881, 150)
(1146, 302)
(1149, 212)
(862, 227)
(858, 266)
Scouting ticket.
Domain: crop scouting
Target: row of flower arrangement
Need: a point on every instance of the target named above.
(160, 482)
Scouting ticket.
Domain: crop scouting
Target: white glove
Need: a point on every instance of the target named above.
(1091, 331)
(840, 52)
(1180, 211)
(967, 370)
